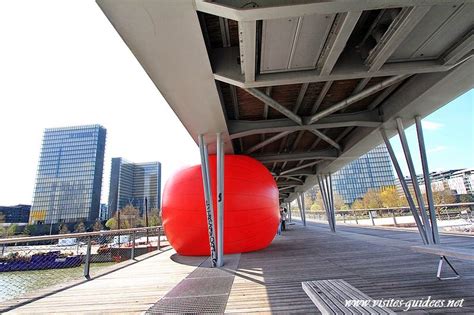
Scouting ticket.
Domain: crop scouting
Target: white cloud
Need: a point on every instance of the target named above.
(438, 148)
(431, 125)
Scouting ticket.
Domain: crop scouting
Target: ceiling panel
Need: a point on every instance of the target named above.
(293, 43)
(440, 28)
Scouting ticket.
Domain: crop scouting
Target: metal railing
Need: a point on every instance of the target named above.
(35, 263)
(394, 216)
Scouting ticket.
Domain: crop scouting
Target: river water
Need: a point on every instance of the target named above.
(18, 283)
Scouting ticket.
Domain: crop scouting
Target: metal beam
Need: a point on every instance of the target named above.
(313, 155)
(275, 105)
(357, 97)
(247, 41)
(220, 200)
(398, 30)
(320, 7)
(416, 187)
(291, 177)
(460, 49)
(242, 128)
(208, 198)
(299, 100)
(300, 173)
(404, 185)
(347, 68)
(289, 183)
(382, 96)
(321, 135)
(267, 141)
(287, 187)
(299, 167)
(321, 97)
(338, 36)
(426, 176)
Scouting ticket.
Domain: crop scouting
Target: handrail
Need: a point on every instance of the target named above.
(74, 235)
(452, 205)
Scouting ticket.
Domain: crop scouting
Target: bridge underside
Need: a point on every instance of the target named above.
(305, 88)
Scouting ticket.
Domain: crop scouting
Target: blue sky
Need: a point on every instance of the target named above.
(449, 137)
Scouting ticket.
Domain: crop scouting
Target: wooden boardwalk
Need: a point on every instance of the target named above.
(377, 262)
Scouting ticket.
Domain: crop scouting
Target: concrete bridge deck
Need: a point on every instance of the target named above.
(377, 262)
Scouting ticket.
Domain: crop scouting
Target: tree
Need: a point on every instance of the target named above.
(372, 199)
(111, 223)
(129, 217)
(11, 230)
(443, 197)
(466, 198)
(63, 229)
(29, 229)
(339, 203)
(97, 226)
(80, 227)
(389, 197)
(357, 204)
(154, 218)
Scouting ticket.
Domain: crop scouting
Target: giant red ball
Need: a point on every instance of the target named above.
(251, 208)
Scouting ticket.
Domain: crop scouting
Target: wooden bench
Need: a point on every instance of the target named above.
(443, 252)
(330, 297)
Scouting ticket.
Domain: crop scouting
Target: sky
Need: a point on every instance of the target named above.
(63, 64)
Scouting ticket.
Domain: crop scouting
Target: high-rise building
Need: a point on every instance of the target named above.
(131, 183)
(69, 178)
(371, 171)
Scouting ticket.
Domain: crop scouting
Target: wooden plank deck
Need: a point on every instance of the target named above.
(378, 262)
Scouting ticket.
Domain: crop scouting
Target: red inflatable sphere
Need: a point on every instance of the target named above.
(251, 209)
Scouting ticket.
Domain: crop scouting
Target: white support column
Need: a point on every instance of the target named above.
(325, 186)
(298, 201)
(416, 187)
(208, 199)
(220, 200)
(303, 209)
(288, 207)
(426, 176)
(332, 208)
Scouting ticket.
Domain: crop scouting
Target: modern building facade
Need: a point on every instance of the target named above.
(15, 214)
(458, 181)
(69, 178)
(104, 212)
(132, 183)
(371, 171)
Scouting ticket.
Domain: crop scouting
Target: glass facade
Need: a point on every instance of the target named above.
(371, 171)
(69, 177)
(131, 183)
(15, 214)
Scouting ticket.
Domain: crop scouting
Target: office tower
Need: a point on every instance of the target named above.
(371, 171)
(131, 183)
(69, 178)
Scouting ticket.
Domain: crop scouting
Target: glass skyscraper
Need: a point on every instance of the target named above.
(131, 183)
(69, 178)
(371, 171)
